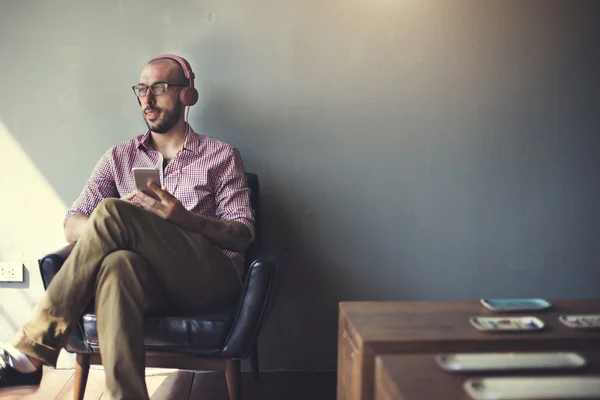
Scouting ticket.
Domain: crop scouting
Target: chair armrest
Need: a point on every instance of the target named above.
(50, 264)
(256, 300)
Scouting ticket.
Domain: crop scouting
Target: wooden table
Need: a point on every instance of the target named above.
(418, 377)
(368, 329)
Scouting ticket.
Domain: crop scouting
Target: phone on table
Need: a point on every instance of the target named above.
(516, 305)
(144, 175)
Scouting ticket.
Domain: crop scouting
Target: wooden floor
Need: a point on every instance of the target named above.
(169, 384)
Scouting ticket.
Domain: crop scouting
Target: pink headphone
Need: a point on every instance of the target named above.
(187, 95)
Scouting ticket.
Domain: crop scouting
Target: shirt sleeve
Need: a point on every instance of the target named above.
(100, 185)
(232, 194)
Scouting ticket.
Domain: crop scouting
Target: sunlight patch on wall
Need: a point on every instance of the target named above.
(31, 212)
(31, 215)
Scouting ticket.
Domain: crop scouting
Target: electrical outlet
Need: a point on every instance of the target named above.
(11, 271)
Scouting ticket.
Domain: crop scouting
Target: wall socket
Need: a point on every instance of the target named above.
(11, 271)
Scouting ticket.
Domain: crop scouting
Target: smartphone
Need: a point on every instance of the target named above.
(516, 305)
(144, 175)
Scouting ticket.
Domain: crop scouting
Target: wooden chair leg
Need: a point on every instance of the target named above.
(82, 370)
(233, 374)
(254, 362)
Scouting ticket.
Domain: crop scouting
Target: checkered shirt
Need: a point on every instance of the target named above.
(207, 176)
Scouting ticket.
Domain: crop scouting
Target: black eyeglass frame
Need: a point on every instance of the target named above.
(166, 85)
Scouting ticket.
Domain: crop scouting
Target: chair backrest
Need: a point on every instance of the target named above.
(252, 251)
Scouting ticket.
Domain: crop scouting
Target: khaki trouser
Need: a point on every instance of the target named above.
(131, 261)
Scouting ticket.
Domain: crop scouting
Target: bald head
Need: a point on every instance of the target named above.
(172, 68)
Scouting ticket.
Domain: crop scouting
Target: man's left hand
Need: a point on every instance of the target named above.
(168, 207)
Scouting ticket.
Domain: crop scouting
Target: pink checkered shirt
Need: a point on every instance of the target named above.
(207, 176)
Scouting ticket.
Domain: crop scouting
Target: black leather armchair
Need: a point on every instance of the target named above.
(193, 341)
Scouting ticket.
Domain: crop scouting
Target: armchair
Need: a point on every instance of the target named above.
(204, 340)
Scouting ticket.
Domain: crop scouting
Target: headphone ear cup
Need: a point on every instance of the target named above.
(188, 96)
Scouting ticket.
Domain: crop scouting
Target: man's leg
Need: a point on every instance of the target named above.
(126, 288)
(192, 272)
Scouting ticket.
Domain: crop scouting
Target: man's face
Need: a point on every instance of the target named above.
(161, 113)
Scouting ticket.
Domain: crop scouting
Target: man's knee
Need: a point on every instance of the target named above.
(111, 205)
(113, 208)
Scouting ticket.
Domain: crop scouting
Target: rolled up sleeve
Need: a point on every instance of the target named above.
(100, 185)
(232, 194)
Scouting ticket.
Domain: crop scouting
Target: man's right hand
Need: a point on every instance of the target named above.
(129, 197)
(74, 227)
(76, 224)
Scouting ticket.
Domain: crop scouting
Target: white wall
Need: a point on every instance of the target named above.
(30, 225)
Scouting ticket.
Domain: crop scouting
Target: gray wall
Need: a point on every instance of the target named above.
(408, 150)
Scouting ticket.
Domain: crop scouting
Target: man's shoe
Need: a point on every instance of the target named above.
(15, 382)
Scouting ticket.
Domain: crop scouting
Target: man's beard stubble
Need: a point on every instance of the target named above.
(168, 121)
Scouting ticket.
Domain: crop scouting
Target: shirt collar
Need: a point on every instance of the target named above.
(191, 141)
(144, 141)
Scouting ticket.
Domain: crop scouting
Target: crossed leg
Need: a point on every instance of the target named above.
(132, 261)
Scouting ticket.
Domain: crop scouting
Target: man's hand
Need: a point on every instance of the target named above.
(168, 207)
(75, 226)
(76, 223)
(230, 235)
(130, 198)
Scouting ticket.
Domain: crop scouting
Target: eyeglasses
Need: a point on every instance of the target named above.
(157, 89)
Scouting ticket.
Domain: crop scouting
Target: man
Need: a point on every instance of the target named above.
(134, 253)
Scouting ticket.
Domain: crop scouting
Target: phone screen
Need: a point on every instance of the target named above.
(144, 175)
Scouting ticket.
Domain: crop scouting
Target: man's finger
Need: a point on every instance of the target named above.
(129, 196)
(150, 204)
(162, 194)
(145, 200)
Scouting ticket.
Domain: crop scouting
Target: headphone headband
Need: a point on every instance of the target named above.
(187, 70)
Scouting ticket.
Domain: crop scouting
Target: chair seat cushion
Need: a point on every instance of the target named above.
(199, 332)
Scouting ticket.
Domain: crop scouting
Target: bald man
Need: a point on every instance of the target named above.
(180, 249)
